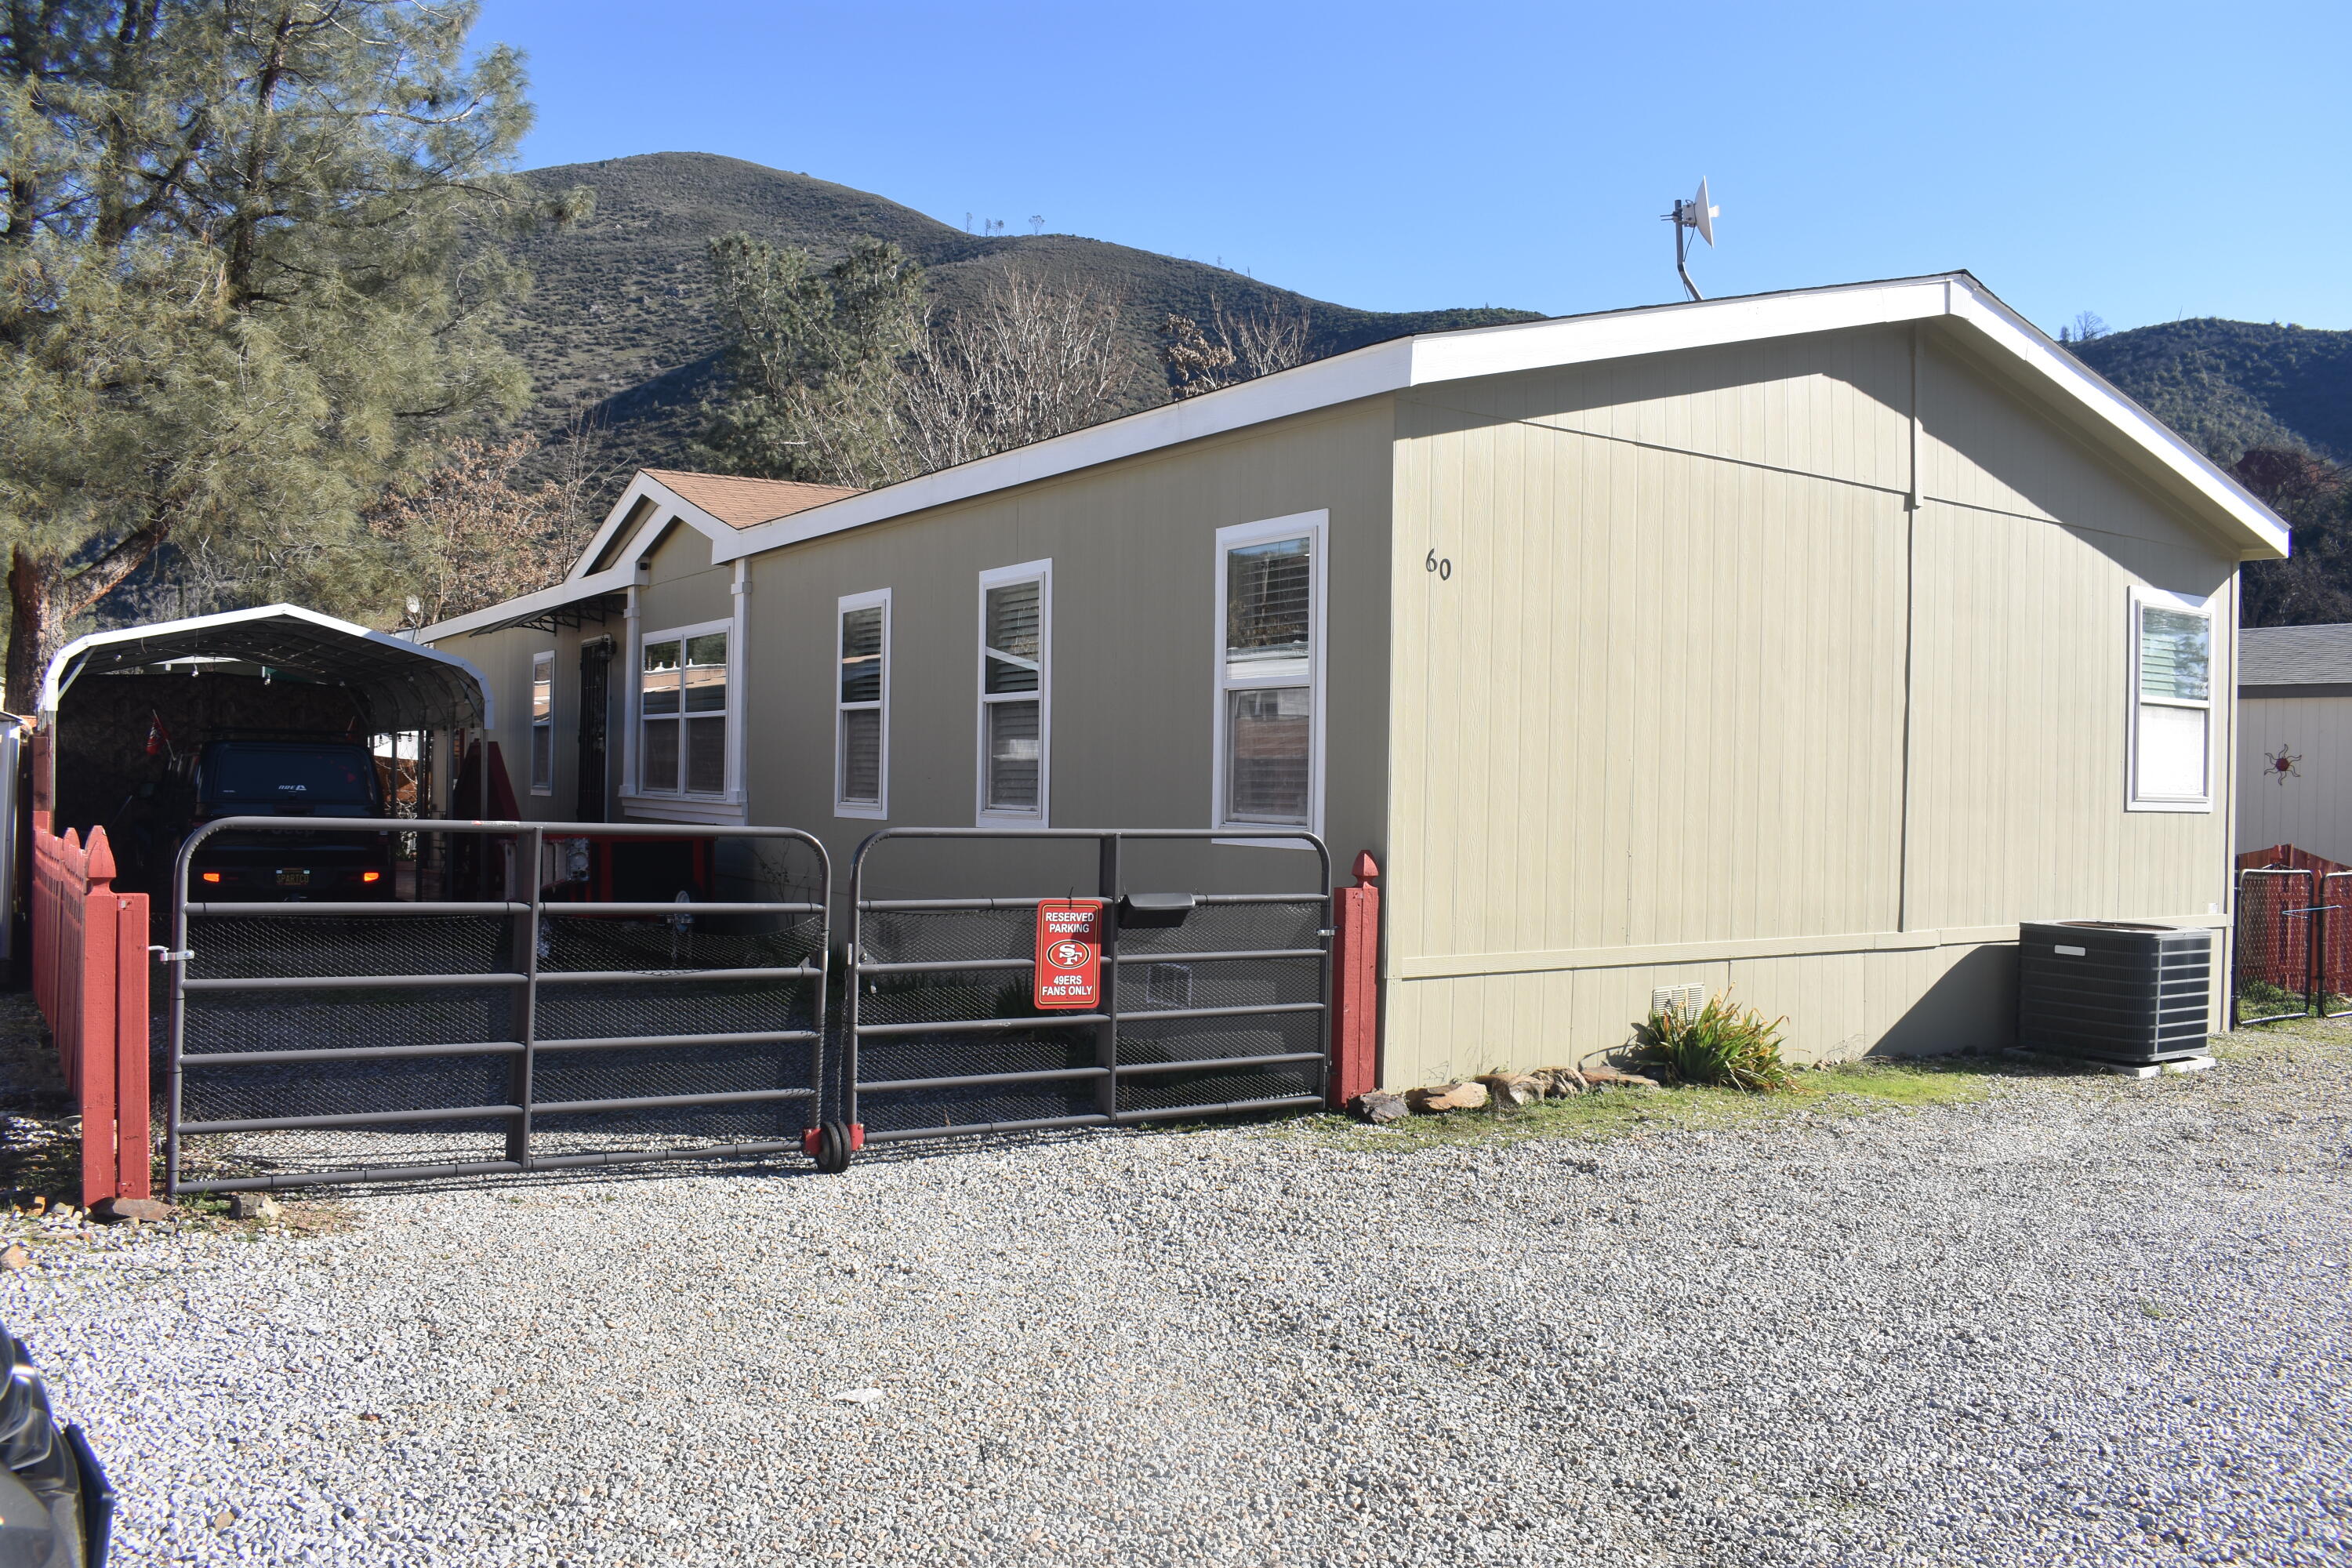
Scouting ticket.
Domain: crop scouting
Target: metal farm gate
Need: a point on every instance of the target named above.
(353, 1040)
(1207, 1003)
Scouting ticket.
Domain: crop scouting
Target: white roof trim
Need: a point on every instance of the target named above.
(68, 657)
(666, 499)
(571, 591)
(1439, 357)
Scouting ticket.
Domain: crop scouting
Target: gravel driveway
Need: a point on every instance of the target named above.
(2082, 1322)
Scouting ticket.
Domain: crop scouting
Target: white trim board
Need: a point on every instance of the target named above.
(1042, 573)
(2176, 468)
(627, 574)
(878, 808)
(1440, 357)
(1468, 965)
(1314, 528)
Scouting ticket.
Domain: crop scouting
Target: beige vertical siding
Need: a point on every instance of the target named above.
(1654, 729)
(1134, 641)
(504, 658)
(2311, 808)
(682, 587)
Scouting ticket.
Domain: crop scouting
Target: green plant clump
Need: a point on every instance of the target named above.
(1722, 1044)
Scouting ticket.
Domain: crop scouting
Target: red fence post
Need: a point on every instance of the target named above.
(1355, 984)
(133, 1153)
(95, 1045)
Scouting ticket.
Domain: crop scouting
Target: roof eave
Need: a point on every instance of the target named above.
(1404, 362)
(570, 591)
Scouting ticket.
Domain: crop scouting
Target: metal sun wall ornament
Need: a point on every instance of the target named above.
(2282, 766)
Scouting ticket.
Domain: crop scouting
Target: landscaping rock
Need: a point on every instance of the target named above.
(1511, 1088)
(1612, 1078)
(1380, 1106)
(1559, 1083)
(1447, 1097)
(252, 1205)
(116, 1211)
(15, 1259)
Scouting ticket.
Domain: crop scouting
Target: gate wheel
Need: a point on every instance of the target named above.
(834, 1146)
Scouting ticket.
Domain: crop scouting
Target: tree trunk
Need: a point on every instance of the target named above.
(36, 626)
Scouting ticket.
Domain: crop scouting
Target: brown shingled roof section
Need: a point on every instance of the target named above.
(740, 502)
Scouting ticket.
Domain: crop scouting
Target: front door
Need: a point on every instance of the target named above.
(595, 668)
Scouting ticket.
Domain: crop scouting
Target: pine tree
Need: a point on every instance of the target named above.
(243, 284)
(814, 360)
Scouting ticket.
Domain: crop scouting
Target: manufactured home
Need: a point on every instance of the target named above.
(1801, 645)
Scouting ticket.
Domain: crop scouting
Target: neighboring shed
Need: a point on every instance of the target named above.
(2294, 739)
(1803, 644)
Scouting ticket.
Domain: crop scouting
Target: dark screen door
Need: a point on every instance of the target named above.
(595, 673)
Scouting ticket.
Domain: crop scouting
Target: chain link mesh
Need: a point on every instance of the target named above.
(1145, 985)
(2272, 978)
(661, 989)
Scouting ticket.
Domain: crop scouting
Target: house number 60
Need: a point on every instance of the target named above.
(1444, 567)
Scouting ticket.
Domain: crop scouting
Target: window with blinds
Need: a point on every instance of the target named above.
(1014, 604)
(1269, 673)
(543, 723)
(862, 701)
(682, 713)
(2172, 711)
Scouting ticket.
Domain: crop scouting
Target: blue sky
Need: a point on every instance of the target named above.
(2143, 161)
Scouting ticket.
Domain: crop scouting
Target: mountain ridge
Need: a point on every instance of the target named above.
(619, 320)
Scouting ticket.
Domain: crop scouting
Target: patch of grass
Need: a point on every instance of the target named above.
(2256, 1039)
(1942, 1080)
(1617, 1113)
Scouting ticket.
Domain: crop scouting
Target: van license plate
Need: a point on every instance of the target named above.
(297, 878)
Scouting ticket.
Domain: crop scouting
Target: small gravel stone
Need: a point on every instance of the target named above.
(2081, 1322)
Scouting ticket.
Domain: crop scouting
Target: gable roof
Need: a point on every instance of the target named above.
(2296, 656)
(740, 502)
(2138, 437)
(2169, 464)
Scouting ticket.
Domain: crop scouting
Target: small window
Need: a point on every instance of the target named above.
(1015, 729)
(862, 712)
(2171, 740)
(543, 723)
(1269, 674)
(682, 713)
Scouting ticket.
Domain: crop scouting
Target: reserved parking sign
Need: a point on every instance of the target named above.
(1069, 952)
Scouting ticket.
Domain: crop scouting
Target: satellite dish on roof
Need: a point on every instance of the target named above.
(1697, 215)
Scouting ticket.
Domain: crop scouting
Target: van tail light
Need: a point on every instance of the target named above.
(210, 876)
(371, 876)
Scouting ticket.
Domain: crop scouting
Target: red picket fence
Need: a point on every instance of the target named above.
(89, 977)
(1356, 985)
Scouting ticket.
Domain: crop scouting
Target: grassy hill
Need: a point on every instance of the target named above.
(620, 316)
(2229, 385)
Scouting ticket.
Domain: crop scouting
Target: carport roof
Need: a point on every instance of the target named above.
(407, 686)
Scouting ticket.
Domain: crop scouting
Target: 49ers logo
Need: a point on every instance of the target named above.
(1069, 954)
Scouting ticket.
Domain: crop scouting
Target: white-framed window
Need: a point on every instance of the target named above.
(1016, 698)
(1267, 740)
(543, 723)
(683, 710)
(861, 719)
(2171, 709)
